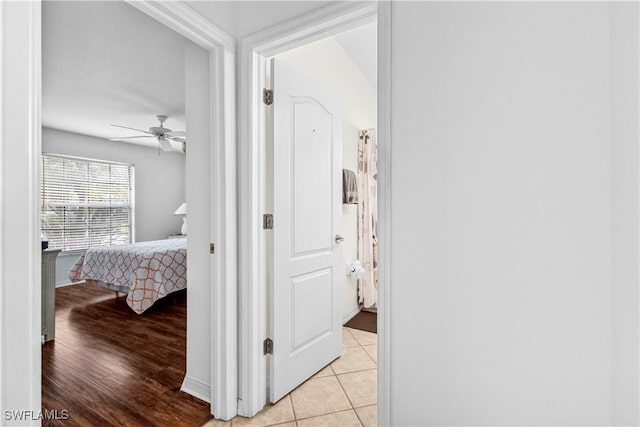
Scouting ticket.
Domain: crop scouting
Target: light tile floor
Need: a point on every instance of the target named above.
(342, 394)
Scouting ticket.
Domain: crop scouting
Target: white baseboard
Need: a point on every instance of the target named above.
(196, 388)
(351, 314)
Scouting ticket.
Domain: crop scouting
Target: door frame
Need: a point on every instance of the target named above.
(20, 120)
(254, 50)
(222, 389)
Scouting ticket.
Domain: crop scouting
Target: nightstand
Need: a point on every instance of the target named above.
(49, 294)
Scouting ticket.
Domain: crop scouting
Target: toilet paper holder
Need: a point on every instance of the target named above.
(355, 269)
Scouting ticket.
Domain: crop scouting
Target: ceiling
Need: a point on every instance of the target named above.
(108, 63)
(361, 44)
(105, 62)
(243, 18)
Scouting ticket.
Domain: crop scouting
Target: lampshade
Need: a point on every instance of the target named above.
(182, 210)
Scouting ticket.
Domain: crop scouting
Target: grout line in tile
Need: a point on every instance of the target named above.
(345, 392)
(281, 423)
(328, 413)
(364, 406)
(362, 345)
(358, 417)
(361, 370)
(348, 330)
(293, 408)
(365, 350)
(332, 371)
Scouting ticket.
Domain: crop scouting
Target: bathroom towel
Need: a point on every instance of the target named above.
(349, 187)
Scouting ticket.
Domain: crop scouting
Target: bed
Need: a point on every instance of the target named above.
(146, 271)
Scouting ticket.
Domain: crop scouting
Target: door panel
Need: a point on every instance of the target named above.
(307, 292)
(307, 261)
(311, 178)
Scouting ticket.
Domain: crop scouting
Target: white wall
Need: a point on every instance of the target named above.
(198, 177)
(502, 214)
(625, 180)
(327, 62)
(20, 264)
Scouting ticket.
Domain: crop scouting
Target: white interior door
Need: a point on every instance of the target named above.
(307, 219)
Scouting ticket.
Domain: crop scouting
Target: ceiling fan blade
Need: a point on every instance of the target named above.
(125, 140)
(130, 137)
(126, 127)
(176, 139)
(177, 133)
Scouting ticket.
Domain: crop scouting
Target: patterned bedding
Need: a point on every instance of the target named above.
(147, 270)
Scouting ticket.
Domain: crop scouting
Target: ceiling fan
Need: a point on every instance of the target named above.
(163, 135)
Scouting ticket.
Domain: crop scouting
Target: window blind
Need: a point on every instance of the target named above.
(87, 203)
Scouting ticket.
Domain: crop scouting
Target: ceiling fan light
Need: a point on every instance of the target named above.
(165, 144)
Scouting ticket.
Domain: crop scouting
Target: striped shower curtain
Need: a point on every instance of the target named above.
(368, 217)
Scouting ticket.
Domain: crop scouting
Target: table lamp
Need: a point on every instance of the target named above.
(182, 210)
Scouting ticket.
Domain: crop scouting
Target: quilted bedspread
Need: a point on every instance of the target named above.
(150, 270)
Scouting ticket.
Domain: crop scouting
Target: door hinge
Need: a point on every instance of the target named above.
(267, 222)
(267, 96)
(267, 346)
(212, 248)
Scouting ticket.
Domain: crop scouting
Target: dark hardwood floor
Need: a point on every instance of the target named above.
(111, 367)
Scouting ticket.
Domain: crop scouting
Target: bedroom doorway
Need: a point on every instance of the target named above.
(216, 355)
(156, 337)
(315, 325)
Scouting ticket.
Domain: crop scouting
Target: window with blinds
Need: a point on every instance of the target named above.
(86, 203)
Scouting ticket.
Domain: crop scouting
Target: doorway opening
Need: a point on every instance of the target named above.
(144, 338)
(115, 221)
(216, 353)
(301, 50)
(321, 169)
